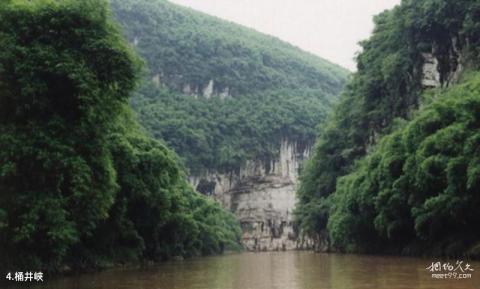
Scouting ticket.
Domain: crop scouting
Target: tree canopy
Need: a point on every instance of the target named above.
(263, 89)
(384, 93)
(80, 183)
(418, 190)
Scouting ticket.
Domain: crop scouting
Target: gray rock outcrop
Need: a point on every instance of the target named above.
(262, 197)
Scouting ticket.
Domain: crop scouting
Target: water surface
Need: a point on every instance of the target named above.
(274, 270)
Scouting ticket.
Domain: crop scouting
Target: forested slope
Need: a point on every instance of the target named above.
(417, 192)
(81, 185)
(394, 172)
(220, 94)
(186, 47)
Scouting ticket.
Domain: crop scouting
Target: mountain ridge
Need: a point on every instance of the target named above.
(239, 79)
(231, 51)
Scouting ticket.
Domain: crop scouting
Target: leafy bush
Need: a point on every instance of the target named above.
(419, 189)
(384, 94)
(80, 183)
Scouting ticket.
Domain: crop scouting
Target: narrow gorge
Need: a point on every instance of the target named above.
(137, 136)
(262, 197)
(241, 109)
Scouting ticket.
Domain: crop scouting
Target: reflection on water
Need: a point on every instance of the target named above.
(282, 270)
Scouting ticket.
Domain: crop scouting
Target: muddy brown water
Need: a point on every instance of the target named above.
(272, 270)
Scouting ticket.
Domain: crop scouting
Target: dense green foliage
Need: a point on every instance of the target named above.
(419, 190)
(272, 90)
(156, 204)
(223, 134)
(386, 87)
(80, 184)
(184, 46)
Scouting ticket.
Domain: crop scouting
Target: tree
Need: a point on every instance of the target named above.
(80, 183)
(65, 73)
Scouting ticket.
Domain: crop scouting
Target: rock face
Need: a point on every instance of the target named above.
(431, 75)
(442, 68)
(209, 90)
(262, 197)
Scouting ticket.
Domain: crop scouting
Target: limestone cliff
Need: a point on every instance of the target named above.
(442, 68)
(262, 197)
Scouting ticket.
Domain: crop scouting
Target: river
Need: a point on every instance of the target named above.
(272, 270)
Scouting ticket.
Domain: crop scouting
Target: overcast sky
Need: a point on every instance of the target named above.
(328, 28)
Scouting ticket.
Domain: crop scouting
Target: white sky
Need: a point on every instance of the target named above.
(328, 28)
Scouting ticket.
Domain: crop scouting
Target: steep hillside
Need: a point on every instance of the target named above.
(418, 191)
(242, 109)
(198, 54)
(415, 47)
(247, 90)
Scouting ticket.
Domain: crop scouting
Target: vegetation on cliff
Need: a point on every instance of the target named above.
(406, 195)
(220, 94)
(418, 190)
(80, 183)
